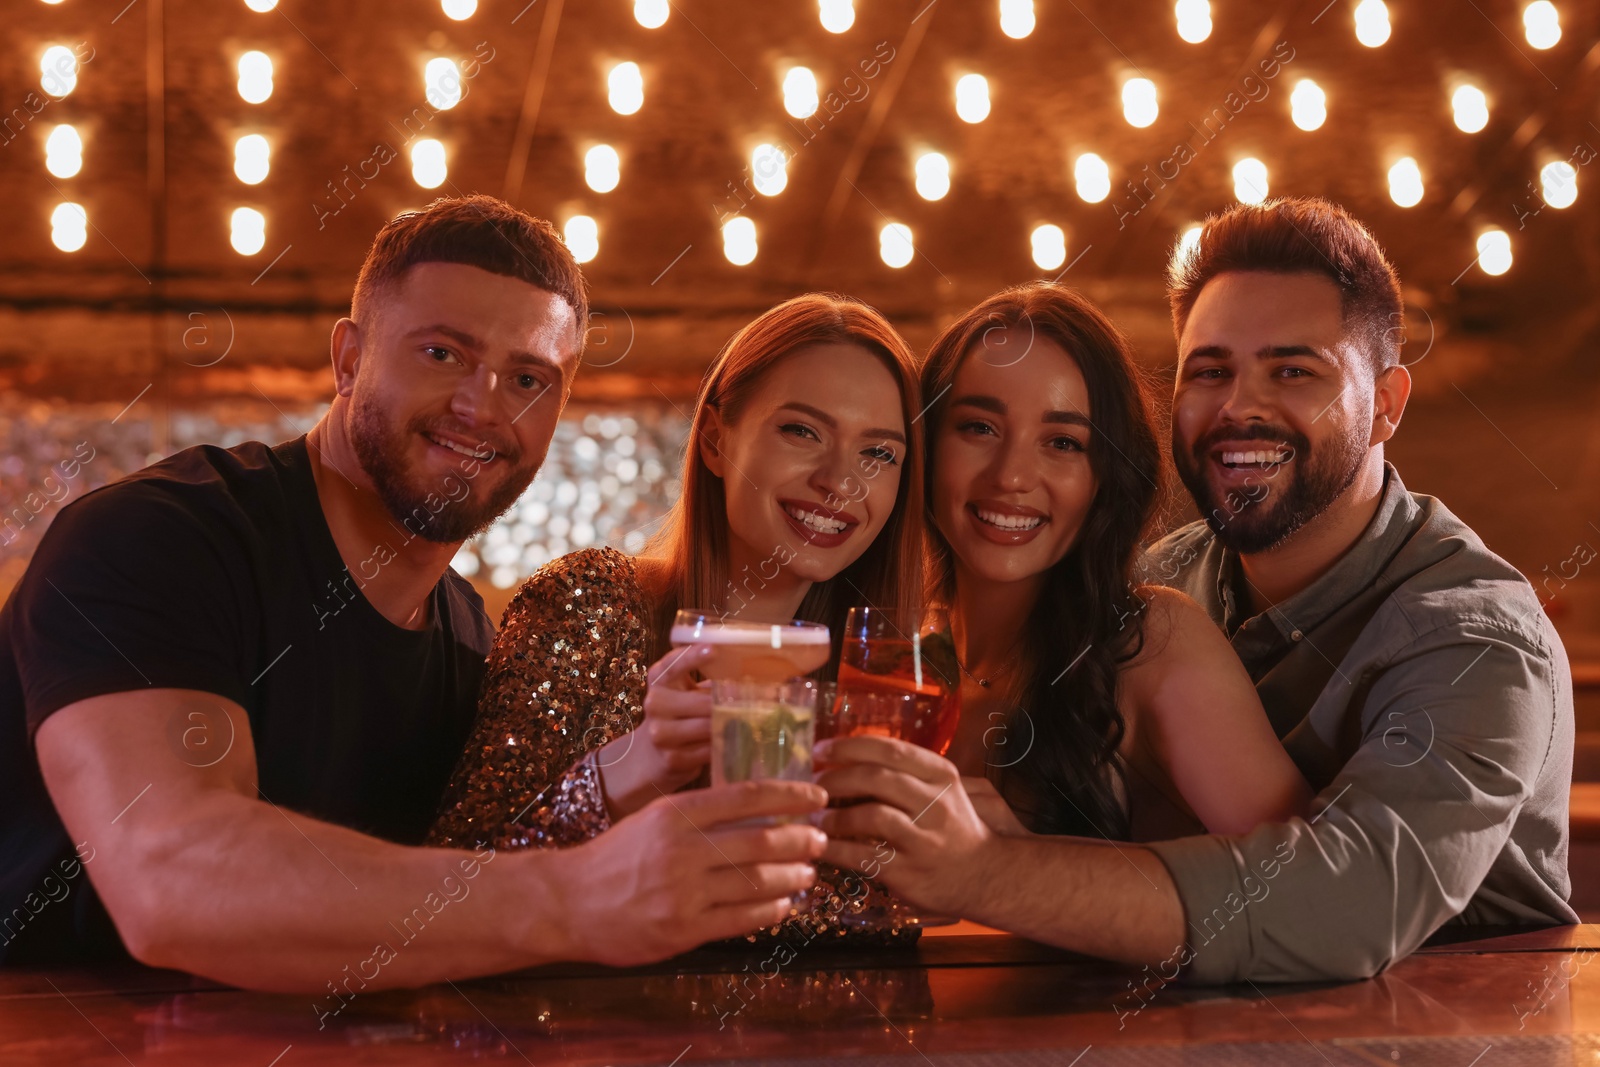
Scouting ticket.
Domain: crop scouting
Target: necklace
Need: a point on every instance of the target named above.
(947, 632)
(985, 683)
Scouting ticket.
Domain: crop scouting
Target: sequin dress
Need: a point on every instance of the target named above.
(567, 674)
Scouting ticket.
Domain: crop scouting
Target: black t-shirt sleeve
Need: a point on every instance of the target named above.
(129, 589)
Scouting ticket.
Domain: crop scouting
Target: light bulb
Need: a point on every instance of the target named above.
(933, 176)
(625, 88)
(972, 97)
(1250, 181)
(739, 241)
(248, 231)
(895, 244)
(1049, 246)
(1494, 251)
(252, 158)
(583, 237)
(1092, 177)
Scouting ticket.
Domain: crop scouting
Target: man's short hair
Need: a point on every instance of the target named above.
(1299, 235)
(479, 231)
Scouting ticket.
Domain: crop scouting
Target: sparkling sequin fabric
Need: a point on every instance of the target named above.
(566, 675)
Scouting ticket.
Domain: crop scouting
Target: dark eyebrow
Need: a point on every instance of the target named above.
(1288, 351)
(995, 405)
(1270, 352)
(832, 423)
(459, 336)
(467, 340)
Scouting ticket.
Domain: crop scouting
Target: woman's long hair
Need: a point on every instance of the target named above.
(694, 540)
(1088, 618)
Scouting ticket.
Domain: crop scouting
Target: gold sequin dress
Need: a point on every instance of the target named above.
(567, 674)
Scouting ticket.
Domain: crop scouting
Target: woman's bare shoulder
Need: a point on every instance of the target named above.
(1173, 625)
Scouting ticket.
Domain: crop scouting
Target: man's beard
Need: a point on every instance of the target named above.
(1250, 521)
(455, 511)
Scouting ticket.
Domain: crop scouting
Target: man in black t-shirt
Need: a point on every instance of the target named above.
(232, 684)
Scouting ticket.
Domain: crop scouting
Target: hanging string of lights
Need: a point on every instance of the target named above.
(931, 171)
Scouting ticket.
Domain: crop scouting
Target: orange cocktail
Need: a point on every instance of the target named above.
(893, 682)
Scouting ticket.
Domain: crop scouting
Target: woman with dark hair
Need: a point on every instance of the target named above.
(1090, 704)
(802, 495)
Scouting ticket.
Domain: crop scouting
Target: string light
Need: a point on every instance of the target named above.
(1494, 251)
(1250, 180)
(769, 169)
(58, 70)
(1016, 18)
(248, 231)
(1541, 22)
(428, 167)
(625, 88)
(1139, 104)
(972, 97)
(1308, 105)
(602, 168)
(895, 244)
(1558, 184)
(1092, 177)
(933, 175)
(739, 241)
(441, 83)
(1188, 243)
(1405, 183)
(69, 226)
(1471, 108)
(1194, 20)
(800, 92)
(837, 15)
(651, 14)
(460, 10)
(1049, 246)
(252, 158)
(583, 237)
(1372, 23)
(255, 77)
(63, 152)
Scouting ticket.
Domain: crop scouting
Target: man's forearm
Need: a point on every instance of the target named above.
(1108, 900)
(259, 897)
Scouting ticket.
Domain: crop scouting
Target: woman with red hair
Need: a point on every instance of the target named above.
(802, 496)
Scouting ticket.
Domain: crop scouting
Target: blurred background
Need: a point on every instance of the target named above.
(191, 185)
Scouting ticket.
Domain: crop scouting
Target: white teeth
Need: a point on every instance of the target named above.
(1236, 459)
(814, 521)
(1009, 522)
(452, 446)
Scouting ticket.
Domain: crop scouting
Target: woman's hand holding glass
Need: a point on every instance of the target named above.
(672, 746)
(914, 828)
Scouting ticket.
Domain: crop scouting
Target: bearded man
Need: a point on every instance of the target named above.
(233, 684)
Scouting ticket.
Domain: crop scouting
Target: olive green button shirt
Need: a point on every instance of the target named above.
(1428, 701)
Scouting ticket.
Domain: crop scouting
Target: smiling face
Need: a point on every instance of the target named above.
(812, 461)
(455, 385)
(1012, 481)
(1273, 411)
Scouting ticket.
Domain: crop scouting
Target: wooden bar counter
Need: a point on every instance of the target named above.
(965, 996)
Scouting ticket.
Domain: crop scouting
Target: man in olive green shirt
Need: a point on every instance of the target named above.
(1423, 694)
(1410, 673)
